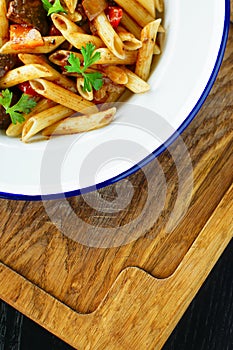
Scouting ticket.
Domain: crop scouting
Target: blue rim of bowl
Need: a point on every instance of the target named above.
(160, 149)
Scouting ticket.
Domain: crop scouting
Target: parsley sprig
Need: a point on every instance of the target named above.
(91, 80)
(24, 105)
(53, 8)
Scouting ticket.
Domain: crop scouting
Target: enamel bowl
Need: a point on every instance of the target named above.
(196, 35)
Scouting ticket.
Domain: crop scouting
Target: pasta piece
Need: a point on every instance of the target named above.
(136, 11)
(135, 83)
(149, 6)
(14, 130)
(43, 120)
(83, 123)
(63, 22)
(109, 35)
(128, 39)
(157, 50)
(60, 95)
(73, 33)
(60, 57)
(145, 54)
(88, 95)
(59, 78)
(159, 5)
(3, 23)
(50, 44)
(131, 25)
(23, 73)
(71, 5)
(116, 74)
(75, 16)
(107, 57)
(112, 97)
(161, 29)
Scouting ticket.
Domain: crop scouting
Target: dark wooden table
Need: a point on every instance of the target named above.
(208, 322)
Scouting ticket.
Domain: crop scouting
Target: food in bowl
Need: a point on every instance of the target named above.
(71, 60)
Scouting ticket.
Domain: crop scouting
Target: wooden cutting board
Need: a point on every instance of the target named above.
(101, 278)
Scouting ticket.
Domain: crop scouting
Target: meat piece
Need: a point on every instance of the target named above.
(7, 62)
(30, 12)
(5, 119)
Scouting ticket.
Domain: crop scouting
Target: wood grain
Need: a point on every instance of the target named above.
(129, 307)
(112, 293)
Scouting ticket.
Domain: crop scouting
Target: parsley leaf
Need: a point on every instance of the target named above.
(88, 56)
(95, 79)
(24, 105)
(53, 8)
(91, 80)
(75, 65)
(5, 99)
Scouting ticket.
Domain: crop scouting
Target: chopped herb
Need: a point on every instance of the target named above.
(53, 8)
(24, 105)
(91, 80)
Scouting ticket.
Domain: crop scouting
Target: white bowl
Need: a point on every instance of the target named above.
(196, 35)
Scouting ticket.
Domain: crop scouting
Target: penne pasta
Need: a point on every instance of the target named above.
(75, 16)
(50, 44)
(83, 123)
(60, 95)
(149, 5)
(112, 97)
(161, 29)
(22, 74)
(159, 5)
(14, 130)
(145, 54)
(71, 5)
(116, 74)
(64, 23)
(157, 50)
(60, 57)
(135, 83)
(136, 11)
(109, 35)
(44, 119)
(128, 23)
(107, 57)
(73, 33)
(59, 78)
(128, 39)
(3, 23)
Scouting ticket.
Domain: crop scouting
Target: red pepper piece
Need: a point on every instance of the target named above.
(114, 14)
(26, 88)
